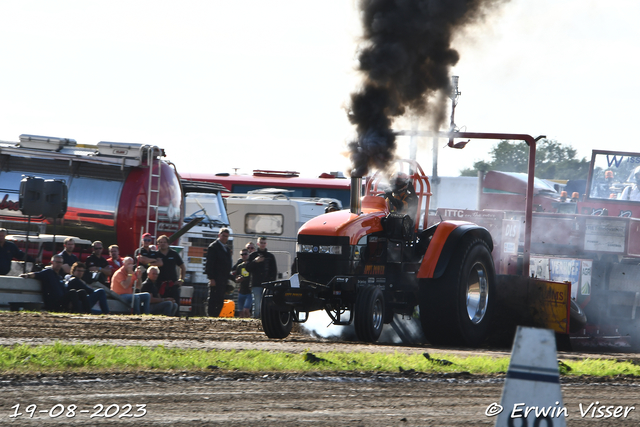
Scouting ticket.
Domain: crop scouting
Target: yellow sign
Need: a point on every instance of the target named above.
(551, 309)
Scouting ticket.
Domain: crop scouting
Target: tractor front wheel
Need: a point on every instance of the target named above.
(369, 313)
(276, 324)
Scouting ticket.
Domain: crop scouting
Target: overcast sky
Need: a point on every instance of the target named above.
(252, 84)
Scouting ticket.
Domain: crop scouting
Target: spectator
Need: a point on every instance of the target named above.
(171, 261)
(54, 294)
(218, 269)
(603, 190)
(93, 295)
(8, 251)
(146, 255)
(115, 261)
(122, 283)
(632, 192)
(68, 258)
(159, 305)
(251, 247)
(98, 268)
(262, 268)
(245, 297)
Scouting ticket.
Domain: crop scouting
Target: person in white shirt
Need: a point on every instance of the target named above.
(632, 192)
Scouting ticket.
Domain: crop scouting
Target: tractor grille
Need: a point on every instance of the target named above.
(322, 267)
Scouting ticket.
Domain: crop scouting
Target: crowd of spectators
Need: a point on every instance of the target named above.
(149, 282)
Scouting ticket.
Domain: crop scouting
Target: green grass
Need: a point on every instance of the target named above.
(59, 357)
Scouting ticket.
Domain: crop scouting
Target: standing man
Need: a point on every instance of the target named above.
(250, 247)
(8, 251)
(68, 258)
(218, 269)
(98, 268)
(170, 261)
(263, 268)
(145, 255)
(242, 277)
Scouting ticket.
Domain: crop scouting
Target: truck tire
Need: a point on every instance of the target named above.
(276, 324)
(456, 309)
(369, 313)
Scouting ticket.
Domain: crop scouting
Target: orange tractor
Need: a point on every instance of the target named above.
(366, 264)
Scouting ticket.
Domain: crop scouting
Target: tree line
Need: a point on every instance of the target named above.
(553, 160)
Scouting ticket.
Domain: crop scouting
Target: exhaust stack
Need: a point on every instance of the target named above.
(356, 194)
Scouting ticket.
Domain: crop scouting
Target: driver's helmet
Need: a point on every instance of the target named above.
(331, 207)
(608, 175)
(400, 182)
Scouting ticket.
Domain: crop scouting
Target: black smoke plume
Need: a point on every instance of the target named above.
(405, 57)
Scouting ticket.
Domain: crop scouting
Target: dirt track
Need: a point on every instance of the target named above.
(233, 398)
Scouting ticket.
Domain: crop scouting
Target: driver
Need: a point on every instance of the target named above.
(632, 192)
(402, 197)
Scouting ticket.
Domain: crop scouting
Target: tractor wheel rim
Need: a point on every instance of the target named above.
(284, 317)
(477, 293)
(377, 314)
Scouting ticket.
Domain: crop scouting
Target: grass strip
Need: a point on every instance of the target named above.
(60, 357)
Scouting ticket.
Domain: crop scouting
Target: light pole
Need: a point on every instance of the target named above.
(454, 95)
(435, 180)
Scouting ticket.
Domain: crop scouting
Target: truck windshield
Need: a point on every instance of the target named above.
(612, 172)
(208, 206)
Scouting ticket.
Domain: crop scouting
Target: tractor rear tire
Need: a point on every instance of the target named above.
(369, 313)
(577, 319)
(276, 324)
(456, 309)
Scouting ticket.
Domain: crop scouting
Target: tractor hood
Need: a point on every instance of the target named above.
(344, 223)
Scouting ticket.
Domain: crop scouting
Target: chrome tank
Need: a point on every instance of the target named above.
(105, 202)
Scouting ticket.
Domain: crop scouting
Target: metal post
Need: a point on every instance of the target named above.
(26, 248)
(434, 172)
(480, 183)
(526, 257)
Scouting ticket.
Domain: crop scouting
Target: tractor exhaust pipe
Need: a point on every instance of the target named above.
(356, 195)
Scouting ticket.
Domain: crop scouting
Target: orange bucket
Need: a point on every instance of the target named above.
(228, 309)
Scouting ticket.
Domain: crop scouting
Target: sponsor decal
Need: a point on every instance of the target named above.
(605, 236)
(564, 270)
(293, 294)
(170, 213)
(509, 248)
(163, 226)
(585, 286)
(375, 270)
(554, 295)
(10, 205)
